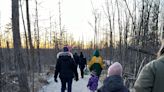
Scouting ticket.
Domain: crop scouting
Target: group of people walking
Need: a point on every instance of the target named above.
(66, 68)
(150, 79)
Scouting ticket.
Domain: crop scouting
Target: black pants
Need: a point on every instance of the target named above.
(82, 72)
(67, 81)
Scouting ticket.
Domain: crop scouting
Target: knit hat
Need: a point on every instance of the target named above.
(96, 53)
(115, 69)
(69, 48)
(65, 49)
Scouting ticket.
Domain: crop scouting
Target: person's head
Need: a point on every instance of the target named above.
(75, 53)
(96, 53)
(115, 69)
(81, 54)
(161, 50)
(69, 48)
(65, 49)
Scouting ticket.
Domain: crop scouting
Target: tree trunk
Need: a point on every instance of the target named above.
(126, 42)
(60, 27)
(38, 41)
(163, 32)
(1, 60)
(120, 33)
(111, 30)
(26, 39)
(30, 41)
(20, 66)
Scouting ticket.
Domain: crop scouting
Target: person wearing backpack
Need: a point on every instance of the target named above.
(66, 69)
(96, 63)
(151, 78)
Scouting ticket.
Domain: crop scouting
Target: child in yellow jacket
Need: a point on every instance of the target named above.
(96, 63)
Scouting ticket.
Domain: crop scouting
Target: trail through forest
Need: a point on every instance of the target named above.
(77, 86)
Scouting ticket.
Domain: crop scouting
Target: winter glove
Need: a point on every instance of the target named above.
(55, 80)
(76, 79)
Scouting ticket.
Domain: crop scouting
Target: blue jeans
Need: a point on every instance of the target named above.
(65, 81)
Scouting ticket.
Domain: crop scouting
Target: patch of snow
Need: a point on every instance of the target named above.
(77, 86)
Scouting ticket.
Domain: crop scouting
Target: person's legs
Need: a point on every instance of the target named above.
(69, 81)
(82, 72)
(98, 73)
(63, 84)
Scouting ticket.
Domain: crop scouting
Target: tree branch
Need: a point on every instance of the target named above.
(142, 51)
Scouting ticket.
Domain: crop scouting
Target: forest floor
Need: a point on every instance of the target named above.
(77, 86)
(44, 82)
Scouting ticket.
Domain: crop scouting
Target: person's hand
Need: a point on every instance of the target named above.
(55, 80)
(76, 79)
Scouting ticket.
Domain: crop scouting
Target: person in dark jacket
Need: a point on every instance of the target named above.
(114, 81)
(82, 64)
(93, 82)
(76, 58)
(66, 68)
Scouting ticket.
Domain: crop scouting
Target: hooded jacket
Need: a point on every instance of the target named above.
(151, 78)
(93, 82)
(113, 84)
(96, 63)
(66, 66)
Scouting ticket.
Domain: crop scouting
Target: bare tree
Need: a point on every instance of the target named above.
(60, 25)
(96, 20)
(38, 37)
(1, 56)
(26, 39)
(154, 25)
(30, 41)
(120, 31)
(45, 38)
(50, 37)
(20, 66)
(110, 28)
(1, 60)
(126, 30)
(163, 32)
